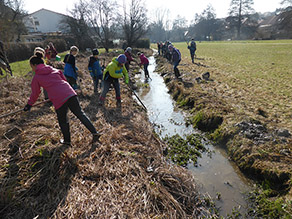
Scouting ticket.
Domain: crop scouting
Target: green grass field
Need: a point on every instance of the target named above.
(22, 67)
(259, 71)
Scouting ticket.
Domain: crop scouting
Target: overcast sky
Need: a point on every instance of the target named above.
(184, 8)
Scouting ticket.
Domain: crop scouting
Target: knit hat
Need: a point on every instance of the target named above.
(95, 52)
(122, 59)
(129, 49)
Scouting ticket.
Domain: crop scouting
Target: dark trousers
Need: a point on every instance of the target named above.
(192, 55)
(106, 85)
(127, 65)
(96, 82)
(71, 80)
(46, 94)
(73, 104)
(146, 70)
(175, 69)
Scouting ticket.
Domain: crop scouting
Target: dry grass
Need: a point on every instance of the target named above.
(123, 176)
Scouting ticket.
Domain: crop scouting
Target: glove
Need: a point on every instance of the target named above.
(27, 107)
(127, 81)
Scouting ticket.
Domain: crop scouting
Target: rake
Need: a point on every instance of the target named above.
(21, 110)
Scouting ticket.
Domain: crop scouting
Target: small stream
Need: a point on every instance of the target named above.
(215, 174)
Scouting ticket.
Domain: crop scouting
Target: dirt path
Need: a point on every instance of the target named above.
(123, 176)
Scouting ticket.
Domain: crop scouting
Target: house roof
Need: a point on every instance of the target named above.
(43, 9)
(269, 21)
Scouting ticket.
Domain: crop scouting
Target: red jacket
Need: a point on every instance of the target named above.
(129, 57)
(143, 59)
(54, 82)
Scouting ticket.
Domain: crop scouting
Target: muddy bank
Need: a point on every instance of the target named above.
(262, 151)
(123, 176)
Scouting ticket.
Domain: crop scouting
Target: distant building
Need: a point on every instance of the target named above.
(266, 27)
(43, 22)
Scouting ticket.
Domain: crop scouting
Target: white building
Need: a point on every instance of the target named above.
(44, 21)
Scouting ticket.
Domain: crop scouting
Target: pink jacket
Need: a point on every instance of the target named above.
(54, 82)
(143, 59)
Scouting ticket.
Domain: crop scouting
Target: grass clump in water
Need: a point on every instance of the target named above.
(181, 151)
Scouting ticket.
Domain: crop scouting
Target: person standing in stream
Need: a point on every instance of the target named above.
(145, 63)
(115, 69)
(60, 93)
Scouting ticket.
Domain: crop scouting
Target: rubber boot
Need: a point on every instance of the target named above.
(119, 103)
(65, 129)
(101, 102)
(176, 73)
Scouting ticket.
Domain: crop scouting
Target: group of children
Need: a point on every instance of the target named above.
(60, 86)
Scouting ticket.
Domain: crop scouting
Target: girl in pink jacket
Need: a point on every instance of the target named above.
(60, 93)
(145, 63)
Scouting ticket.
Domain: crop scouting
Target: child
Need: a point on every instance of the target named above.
(176, 58)
(145, 63)
(70, 70)
(60, 93)
(95, 69)
(128, 54)
(39, 49)
(192, 49)
(116, 69)
(43, 52)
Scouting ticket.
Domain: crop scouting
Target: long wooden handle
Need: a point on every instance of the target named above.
(17, 111)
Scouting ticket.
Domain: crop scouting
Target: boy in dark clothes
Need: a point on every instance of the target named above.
(70, 70)
(95, 69)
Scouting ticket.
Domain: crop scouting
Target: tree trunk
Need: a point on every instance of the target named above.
(239, 20)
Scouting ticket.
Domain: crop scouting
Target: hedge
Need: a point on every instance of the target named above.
(143, 43)
(22, 51)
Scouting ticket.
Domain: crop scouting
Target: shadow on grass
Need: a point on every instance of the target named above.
(36, 183)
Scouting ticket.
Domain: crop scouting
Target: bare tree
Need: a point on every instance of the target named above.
(102, 20)
(135, 22)
(238, 11)
(157, 28)
(11, 14)
(179, 27)
(78, 24)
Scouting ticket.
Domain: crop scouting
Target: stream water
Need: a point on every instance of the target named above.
(215, 174)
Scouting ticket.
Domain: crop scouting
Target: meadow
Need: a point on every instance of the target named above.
(255, 74)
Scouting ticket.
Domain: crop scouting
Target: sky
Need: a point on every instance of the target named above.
(184, 8)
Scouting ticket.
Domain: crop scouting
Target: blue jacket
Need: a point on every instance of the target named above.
(94, 67)
(70, 69)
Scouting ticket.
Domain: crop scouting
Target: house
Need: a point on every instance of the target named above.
(266, 27)
(43, 22)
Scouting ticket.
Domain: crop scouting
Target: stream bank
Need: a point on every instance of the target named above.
(217, 177)
(261, 153)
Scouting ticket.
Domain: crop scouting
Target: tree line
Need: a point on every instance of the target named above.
(242, 22)
(102, 21)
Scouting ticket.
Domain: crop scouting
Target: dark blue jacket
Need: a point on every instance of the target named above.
(94, 67)
(70, 68)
